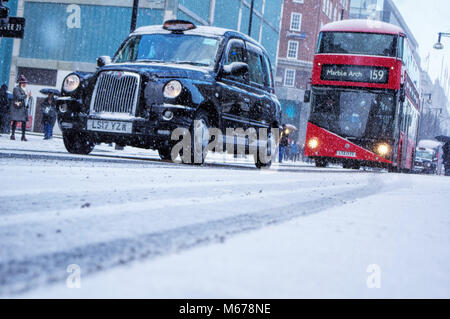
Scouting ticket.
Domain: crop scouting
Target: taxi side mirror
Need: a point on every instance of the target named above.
(236, 69)
(103, 60)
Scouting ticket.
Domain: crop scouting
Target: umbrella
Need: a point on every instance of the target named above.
(443, 138)
(291, 127)
(50, 91)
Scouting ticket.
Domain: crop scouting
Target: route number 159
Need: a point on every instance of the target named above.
(377, 75)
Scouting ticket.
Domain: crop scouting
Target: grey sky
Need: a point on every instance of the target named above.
(426, 19)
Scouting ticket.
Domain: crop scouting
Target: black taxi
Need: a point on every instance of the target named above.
(175, 78)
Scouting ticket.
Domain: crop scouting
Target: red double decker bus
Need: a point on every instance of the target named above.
(364, 97)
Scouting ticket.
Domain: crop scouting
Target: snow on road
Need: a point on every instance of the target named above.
(139, 227)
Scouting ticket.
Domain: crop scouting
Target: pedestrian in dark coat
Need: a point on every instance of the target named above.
(295, 151)
(446, 158)
(18, 108)
(284, 143)
(4, 107)
(48, 107)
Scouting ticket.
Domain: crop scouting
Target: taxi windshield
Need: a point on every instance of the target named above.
(427, 155)
(169, 48)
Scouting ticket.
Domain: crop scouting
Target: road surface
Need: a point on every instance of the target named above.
(149, 228)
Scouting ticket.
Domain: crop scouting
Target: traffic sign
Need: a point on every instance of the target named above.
(14, 28)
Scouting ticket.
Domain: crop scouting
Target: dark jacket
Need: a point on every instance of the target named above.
(18, 108)
(284, 141)
(446, 153)
(48, 112)
(4, 105)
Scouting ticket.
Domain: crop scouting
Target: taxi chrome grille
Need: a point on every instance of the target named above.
(116, 92)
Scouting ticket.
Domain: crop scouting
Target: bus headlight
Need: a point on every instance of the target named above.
(172, 89)
(313, 143)
(382, 149)
(71, 83)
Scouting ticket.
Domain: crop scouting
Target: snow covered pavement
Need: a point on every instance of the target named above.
(139, 227)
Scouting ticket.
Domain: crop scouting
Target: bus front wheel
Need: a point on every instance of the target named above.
(320, 163)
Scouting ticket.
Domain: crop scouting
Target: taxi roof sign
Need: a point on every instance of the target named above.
(178, 25)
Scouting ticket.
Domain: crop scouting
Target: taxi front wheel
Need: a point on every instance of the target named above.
(77, 143)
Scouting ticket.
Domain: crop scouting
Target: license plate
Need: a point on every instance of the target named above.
(344, 153)
(110, 126)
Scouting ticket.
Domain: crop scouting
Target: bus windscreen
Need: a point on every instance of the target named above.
(358, 43)
(350, 113)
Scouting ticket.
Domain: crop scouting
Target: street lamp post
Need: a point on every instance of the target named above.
(439, 45)
(436, 120)
(422, 113)
(134, 15)
(250, 22)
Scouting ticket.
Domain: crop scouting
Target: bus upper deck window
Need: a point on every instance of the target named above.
(401, 41)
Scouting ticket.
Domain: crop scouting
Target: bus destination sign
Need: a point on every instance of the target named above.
(355, 73)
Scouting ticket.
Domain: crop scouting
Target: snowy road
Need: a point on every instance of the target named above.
(118, 209)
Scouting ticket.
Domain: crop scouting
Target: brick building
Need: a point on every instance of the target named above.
(300, 25)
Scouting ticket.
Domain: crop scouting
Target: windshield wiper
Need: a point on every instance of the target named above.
(149, 61)
(190, 62)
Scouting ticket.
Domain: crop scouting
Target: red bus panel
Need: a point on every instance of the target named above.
(332, 145)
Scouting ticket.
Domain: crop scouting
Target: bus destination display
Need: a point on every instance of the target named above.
(355, 73)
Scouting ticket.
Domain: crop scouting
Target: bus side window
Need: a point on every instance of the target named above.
(400, 45)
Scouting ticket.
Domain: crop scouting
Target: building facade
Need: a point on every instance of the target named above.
(6, 46)
(301, 22)
(386, 11)
(66, 35)
(434, 113)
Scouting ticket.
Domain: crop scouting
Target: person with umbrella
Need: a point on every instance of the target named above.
(446, 152)
(19, 107)
(48, 109)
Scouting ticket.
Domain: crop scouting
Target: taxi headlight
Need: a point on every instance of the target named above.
(172, 89)
(313, 143)
(382, 149)
(71, 83)
(63, 108)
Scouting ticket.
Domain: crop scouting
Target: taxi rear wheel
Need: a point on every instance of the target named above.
(164, 153)
(265, 153)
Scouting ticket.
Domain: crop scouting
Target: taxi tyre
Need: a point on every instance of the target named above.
(267, 161)
(202, 122)
(164, 153)
(77, 143)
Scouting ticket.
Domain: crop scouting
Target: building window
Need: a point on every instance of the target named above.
(292, 49)
(289, 78)
(296, 21)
